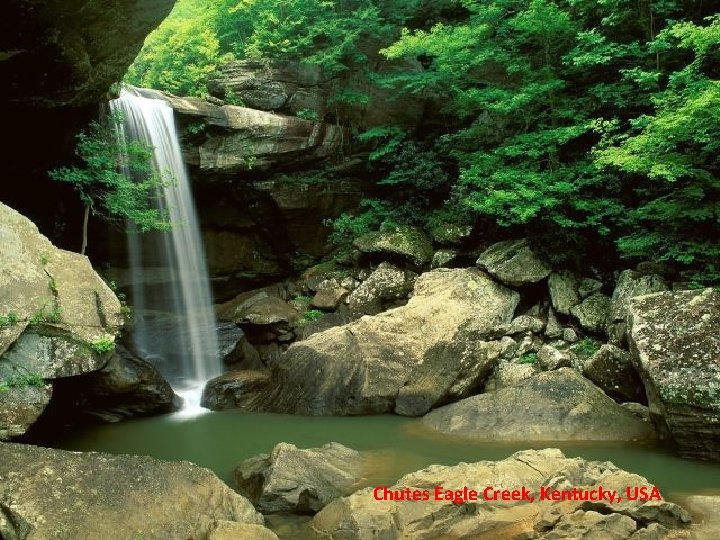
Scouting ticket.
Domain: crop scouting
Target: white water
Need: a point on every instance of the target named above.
(174, 319)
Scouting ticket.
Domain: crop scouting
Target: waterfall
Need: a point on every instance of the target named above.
(174, 323)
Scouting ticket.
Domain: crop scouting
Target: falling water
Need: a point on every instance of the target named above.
(174, 319)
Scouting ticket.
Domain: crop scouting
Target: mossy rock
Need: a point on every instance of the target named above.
(408, 242)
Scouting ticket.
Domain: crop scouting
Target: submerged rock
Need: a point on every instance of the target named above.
(361, 517)
(54, 494)
(675, 344)
(406, 359)
(514, 263)
(558, 405)
(296, 480)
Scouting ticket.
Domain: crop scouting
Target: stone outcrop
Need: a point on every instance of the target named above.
(60, 54)
(53, 494)
(514, 263)
(407, 359)
(59, 319)
(556, 405)
(251, 139)
(296, 480)
(361, 517)
(675, 344)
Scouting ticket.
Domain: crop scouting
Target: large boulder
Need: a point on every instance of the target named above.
(407, 359)
(408, 243)
(236, 390)
(592, 313)
(564, 291)
(296, 480)
(514, 263)
(675, 343)
(629, 285)
(54, 494)
(524, 485)
(558, 405)
(59, 318)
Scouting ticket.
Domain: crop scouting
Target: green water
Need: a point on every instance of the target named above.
(394, 445)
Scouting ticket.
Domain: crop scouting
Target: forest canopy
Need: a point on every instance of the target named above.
(594, 125)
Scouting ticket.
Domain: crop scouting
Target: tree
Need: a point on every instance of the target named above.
(117, 180)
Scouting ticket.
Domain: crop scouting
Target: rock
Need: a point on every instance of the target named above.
(629, 285)
(523, 324)
(405, 242)
(125, 387)
(508, 373)
(675, 347)
(563, 287)
(443, 258)
(258, 312)
(49, 493)
(253, 138)
(297, 480)
(20, 407)
(407, 359)
(359, 516)
(232, 530)
(554, 405)
(639, 410)
(70, 55)
(593, 312)
(61, 318)
(550, 358)
(553, 329)
(588, 287)
(569, 335)
(386, 283)
(235, 390)
(612, 370)
(706, 507)
(330, 294)
(514, 263)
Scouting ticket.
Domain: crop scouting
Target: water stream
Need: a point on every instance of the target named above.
(174, 324)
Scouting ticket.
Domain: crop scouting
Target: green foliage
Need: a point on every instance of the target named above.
(117, 180)
(311, 315)
(309, 114)
(10, 319)
(528, 358)
(587, 347)
(103, 345)
(22, 380)
(50, 313)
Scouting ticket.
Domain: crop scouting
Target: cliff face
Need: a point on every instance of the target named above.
(58, 60)
(61, 53)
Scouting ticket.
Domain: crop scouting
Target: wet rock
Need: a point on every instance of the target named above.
(564, 293)
(359, 516)
(236, 390)
(424, 352)
(385, 284)
(301, 481)
(406, 242)
(554, 405)
(593, 312)
(612, 370)
(675, 347)
(49, 493)
(514, 263)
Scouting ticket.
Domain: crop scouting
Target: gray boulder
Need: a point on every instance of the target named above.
(629, 285)
(612, 370)
(407, 359)
(385, 284)
(592, 313)
(300, 481)
(406, 242)
(514, 263)
(554, 405)
(361, 517)
(236, 390)
(563, 287)
(675, 347)
(550, 358)
(55, 494)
